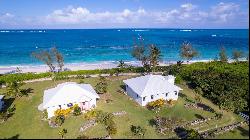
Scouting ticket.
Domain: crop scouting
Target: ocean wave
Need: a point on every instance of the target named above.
(140, 30)
(34, 31)
(116, 47)
(4, 31)
(213, 35)
(185, 30)
(79, 48)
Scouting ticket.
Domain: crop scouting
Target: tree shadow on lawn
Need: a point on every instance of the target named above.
(152, 122)
(13, 137)
(190, 85)
(189, 100)
(123, 87)
(198, 116)
(243, 131)
(205, 107)
(27, 91)
(182, 95)
(7, 103)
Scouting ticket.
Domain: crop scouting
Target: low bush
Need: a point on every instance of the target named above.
(76, 110)
(58, 120)
(63, 112)
(171, 102)
(91, 114)
(156, 104)
(138, 130)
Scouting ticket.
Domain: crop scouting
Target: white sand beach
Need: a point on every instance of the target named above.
(81, 66)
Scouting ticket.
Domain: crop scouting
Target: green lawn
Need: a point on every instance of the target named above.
(27, 123)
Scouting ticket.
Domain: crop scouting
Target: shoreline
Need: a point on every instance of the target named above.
(86, 66)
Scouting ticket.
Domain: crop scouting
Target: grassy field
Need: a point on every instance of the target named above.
(27, 123)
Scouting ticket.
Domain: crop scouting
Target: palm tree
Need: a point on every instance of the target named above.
(121, 64)
(13, 88)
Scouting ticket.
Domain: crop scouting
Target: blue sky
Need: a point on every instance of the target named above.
(29, 14)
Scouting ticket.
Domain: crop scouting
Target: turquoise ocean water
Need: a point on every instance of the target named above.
(98, 45)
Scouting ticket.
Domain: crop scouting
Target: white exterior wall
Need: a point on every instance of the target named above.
(51, 110)
(1, 104)
(131, 93)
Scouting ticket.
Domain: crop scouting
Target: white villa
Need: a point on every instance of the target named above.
(66, 95)
(145, 89)
(1, 102)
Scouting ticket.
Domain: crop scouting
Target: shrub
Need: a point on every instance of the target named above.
(156, 104)
(178, 79)
(104, 118)
(76, 110)
(80, 76)
(101, 86)
(59, 120)
(63, 132)
(171, 102)
(193, 134)
(60, 77)
(63, 112)
(91, 114)
(138, 130)
(111, 128)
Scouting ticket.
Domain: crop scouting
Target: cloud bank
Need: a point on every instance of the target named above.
(186, 15)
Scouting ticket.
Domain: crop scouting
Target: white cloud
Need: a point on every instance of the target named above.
(188, 7)
(6, 18)
(223, 12)
(83, 15)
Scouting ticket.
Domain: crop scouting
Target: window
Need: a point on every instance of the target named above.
(152, 97)
(69, 105)
(166, 94)
(60, 106)
(137, 95)
(144, 98)
(83, 103)
(175, 92)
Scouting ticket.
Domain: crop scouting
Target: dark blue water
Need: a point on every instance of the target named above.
(94, 45)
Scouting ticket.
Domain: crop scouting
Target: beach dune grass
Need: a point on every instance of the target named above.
(27, 123)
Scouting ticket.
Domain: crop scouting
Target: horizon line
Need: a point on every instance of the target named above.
(113, 28)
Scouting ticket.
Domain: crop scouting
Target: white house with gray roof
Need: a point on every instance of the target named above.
(148, 88)
(66, 95)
